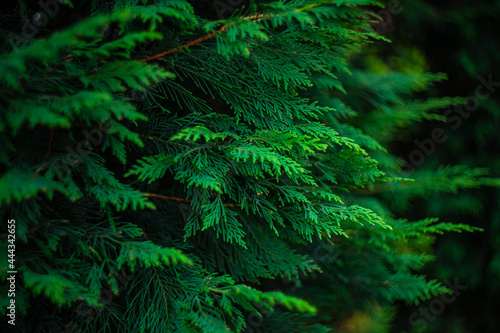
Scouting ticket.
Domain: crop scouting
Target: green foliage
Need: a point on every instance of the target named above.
(180, 193)
(469, 54)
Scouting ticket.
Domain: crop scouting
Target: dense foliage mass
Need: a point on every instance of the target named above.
(170, 169)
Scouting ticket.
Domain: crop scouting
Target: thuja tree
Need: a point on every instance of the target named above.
(171, 172)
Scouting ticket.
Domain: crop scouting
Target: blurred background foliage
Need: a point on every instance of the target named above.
(459, 38)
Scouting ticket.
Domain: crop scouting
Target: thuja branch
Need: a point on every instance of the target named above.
(224, 29)
(201, 39)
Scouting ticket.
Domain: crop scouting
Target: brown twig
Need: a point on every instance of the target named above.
(154, 195)
(201, 39)
(177, 49)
